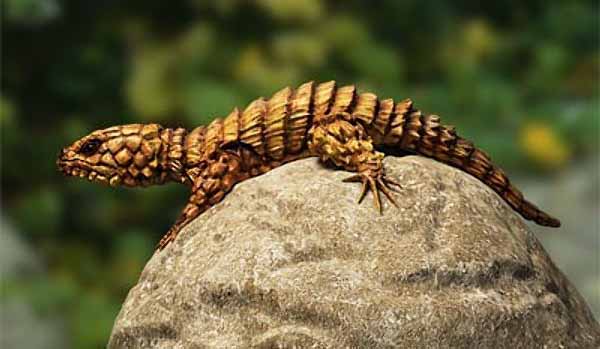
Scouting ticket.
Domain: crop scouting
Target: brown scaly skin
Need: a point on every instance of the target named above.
(334, 123)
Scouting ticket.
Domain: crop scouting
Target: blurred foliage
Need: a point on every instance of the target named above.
(517, 77)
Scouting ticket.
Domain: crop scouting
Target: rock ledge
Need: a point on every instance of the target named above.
(289, 259)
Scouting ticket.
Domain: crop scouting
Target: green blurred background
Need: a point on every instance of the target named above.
(520, 78)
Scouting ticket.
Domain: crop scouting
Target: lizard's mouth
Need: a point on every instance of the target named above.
(94, 173)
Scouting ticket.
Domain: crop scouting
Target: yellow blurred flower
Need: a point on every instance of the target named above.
(543, 145)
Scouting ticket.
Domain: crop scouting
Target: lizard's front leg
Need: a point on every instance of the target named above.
(343, 141)
(210, 182)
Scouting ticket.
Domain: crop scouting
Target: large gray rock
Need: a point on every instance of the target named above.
(289, 259)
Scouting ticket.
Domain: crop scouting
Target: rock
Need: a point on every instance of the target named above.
(289, 259)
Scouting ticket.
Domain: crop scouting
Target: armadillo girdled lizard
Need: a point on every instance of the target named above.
(336, 124)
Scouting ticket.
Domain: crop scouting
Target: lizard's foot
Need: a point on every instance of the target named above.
(189, 213)
(374, 181)
(167, 239)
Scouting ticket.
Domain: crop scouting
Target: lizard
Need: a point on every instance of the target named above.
(342, 127)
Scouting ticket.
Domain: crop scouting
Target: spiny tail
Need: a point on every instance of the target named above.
(412, 131)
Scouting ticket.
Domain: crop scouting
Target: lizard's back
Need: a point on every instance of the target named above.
(277, 130)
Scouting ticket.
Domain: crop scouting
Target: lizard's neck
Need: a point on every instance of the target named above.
(172, 155)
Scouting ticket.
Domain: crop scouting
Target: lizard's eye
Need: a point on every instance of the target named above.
(90, 147)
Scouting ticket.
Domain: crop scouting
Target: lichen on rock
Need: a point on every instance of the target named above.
(289, 259)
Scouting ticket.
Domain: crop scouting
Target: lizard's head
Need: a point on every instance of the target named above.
(127, 154)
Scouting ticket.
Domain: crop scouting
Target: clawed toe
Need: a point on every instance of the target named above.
(385, 189)
(389, 181)
(374, 183)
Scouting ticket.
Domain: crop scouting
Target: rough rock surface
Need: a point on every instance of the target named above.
(289, 259)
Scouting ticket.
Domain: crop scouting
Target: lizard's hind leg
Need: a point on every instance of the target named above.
(343, 141)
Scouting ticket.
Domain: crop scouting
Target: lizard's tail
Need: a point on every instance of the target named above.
(423, 134)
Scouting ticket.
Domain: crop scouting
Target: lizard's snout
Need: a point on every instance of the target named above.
(61, 155)
(60, 158)
(62, 161)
